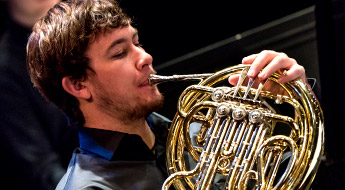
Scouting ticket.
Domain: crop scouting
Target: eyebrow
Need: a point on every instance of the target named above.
(121, 40)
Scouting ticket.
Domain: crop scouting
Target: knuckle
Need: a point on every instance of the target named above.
(282, 54)
(265, 52)
(293, 61)
(300, 69)
(281, 59)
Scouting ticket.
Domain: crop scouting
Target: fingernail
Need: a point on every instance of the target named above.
(244, 59)
(250, 72)
(262, 75)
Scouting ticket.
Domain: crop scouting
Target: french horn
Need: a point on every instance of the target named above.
(245, 136)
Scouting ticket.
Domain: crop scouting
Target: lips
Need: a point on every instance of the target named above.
(145, 83)
(145, 80)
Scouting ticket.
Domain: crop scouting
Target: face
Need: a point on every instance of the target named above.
(119, 85)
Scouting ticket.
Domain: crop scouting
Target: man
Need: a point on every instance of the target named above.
(86, 58)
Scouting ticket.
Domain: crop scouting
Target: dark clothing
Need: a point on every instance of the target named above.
(35, 141)
(111, 160)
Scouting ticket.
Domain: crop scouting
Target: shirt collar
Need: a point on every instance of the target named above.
(102, 142)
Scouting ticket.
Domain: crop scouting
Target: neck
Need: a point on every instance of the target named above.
(99, 120)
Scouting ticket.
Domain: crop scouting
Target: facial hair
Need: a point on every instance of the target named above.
(125, 111)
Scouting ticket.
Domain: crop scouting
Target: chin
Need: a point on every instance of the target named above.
(156, 102)
(146, 107)
(158, 99)
(154, 94)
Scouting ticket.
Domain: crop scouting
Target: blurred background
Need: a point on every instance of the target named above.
(186, 37)
(169, 29)
(195, 36)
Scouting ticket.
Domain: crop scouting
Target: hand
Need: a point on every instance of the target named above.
(267, 62)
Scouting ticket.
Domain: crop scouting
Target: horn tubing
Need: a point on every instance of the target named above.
(245, 149)
(156, 79)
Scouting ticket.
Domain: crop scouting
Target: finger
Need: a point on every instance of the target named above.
(233, 79)
(295, 72)
(249, 59)
(262, 59)
(279, 62)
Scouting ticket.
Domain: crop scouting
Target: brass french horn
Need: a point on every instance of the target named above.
(237, 137)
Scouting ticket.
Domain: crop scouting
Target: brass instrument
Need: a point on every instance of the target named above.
(237, 135)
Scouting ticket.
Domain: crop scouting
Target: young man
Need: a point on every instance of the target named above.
(86, 58)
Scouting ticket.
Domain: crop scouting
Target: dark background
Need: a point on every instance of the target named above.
(169, 29)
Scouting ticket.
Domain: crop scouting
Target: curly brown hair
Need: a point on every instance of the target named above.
(57, 46)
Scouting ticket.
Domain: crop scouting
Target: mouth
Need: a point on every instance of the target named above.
(146, 78)
(145, 83)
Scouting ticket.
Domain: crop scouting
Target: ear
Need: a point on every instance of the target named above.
(75, 88)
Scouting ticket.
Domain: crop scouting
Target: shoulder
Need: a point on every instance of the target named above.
(84, 173)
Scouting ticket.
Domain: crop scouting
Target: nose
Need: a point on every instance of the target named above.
(144, 60)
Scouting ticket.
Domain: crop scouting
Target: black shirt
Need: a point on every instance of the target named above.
(113, 160)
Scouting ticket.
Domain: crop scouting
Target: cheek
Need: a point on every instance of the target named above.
(117, 77)
(119, 83)
(113, 74)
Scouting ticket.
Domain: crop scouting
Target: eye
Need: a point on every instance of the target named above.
(119, 55)
(139, 45)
